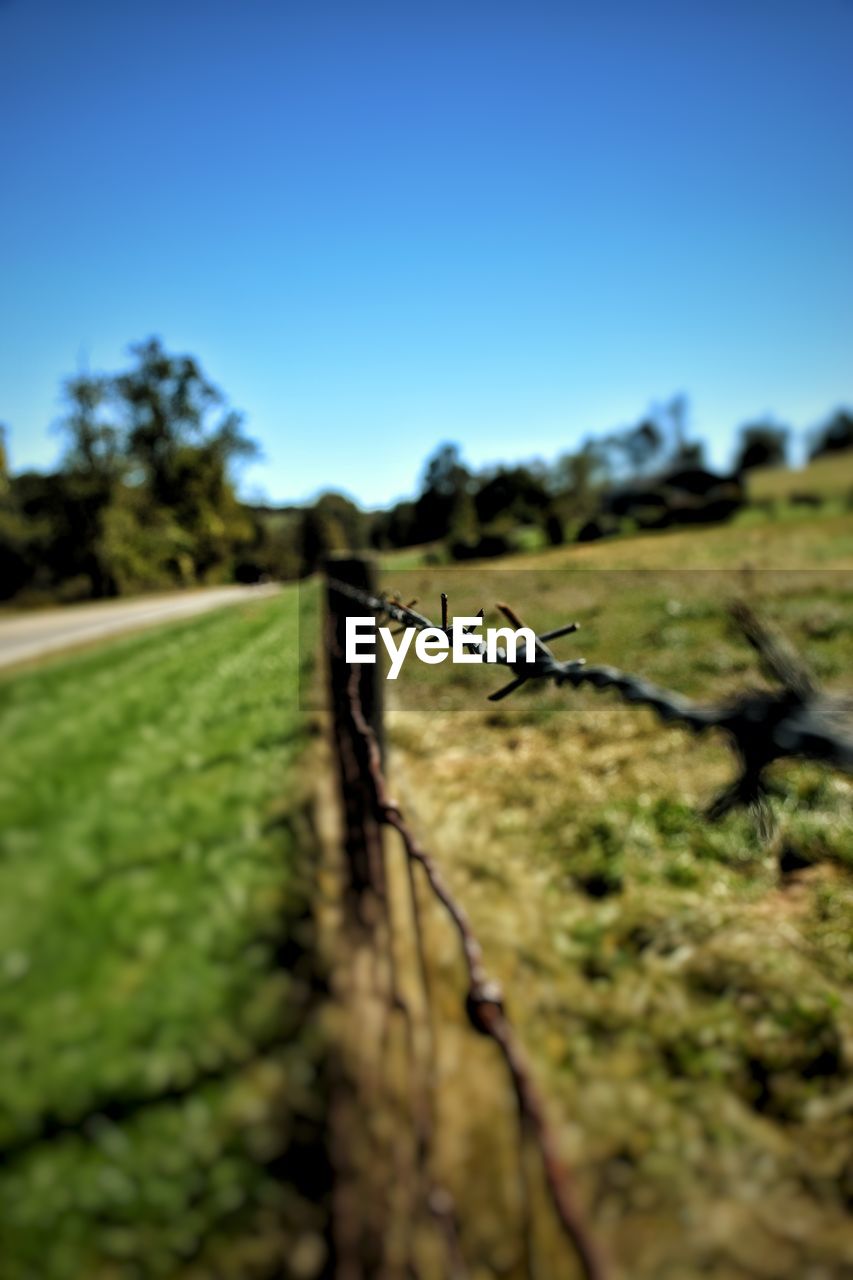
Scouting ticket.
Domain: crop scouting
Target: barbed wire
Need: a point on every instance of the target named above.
(796, 720)
(484, 1003)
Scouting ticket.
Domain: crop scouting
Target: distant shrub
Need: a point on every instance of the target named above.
(486, 546)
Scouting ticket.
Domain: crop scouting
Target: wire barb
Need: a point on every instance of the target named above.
(796, 720)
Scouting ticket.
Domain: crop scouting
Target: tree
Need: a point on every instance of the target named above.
(762, 444)
(320, 532)
(445, 473)
(396, 527)
(333, 523)
(349, 517)
(444, 505)
(4, 461)
(690, 454)
(92, 468)
(144, 545)
(672, 421)
(515, 492)
(578, 479)
(574, 484)
(835, 436)
(15, 532)
(642, 445)
(181, 441)
(272, 551)
(145, 494)
(638, 446)
(93, 443)
(167, 403)
(677, 411)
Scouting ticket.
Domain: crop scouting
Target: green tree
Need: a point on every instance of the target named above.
(93, 440)
(515, 492)
(181, 443)
(167, 403)
(641, 446)
(145, 494)
(578, 480)
(320, 532)
(4, 461)
(691, 454)
(92, 468)
(835, 436)
(444, 505)
(762, 444)
(15, 533)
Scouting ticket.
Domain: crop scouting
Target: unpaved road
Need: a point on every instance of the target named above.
(26, 636)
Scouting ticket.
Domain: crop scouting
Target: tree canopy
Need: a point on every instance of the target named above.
(835, 436)
(762, 444)
(144, 496)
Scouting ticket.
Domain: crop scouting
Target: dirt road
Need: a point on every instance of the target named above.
(26, 636)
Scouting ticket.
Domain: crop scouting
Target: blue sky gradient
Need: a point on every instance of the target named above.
(381, 226)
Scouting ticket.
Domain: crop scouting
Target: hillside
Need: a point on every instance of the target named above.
(828, 477)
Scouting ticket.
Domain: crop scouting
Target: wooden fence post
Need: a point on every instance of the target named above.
(362, 832)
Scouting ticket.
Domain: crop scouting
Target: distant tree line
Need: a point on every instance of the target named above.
(144, 497)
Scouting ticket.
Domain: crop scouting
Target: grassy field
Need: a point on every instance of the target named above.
(685, 988)
(158, 1057)
(827, 477)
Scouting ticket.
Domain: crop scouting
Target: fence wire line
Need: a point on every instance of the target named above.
(484, 1004)
(795, 720)
(367, 864)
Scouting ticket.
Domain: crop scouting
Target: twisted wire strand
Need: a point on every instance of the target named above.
(485, 1009)
(797, 720)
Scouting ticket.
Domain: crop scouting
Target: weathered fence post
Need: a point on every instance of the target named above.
(362, 832)
(359, 572)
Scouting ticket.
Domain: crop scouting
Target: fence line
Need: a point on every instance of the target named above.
(797, 719)
(486, 1014)
(370, 912)
(360, 767)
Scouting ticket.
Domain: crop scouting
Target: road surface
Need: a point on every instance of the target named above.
(26, 636)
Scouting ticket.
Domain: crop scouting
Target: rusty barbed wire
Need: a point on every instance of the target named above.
(796, 720)
(484, 1005)
(371, 909)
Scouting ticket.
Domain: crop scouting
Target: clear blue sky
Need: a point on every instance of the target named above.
(383, 225)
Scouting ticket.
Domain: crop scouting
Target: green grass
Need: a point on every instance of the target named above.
(685, 997)
(828, 477)
(155, 1052)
